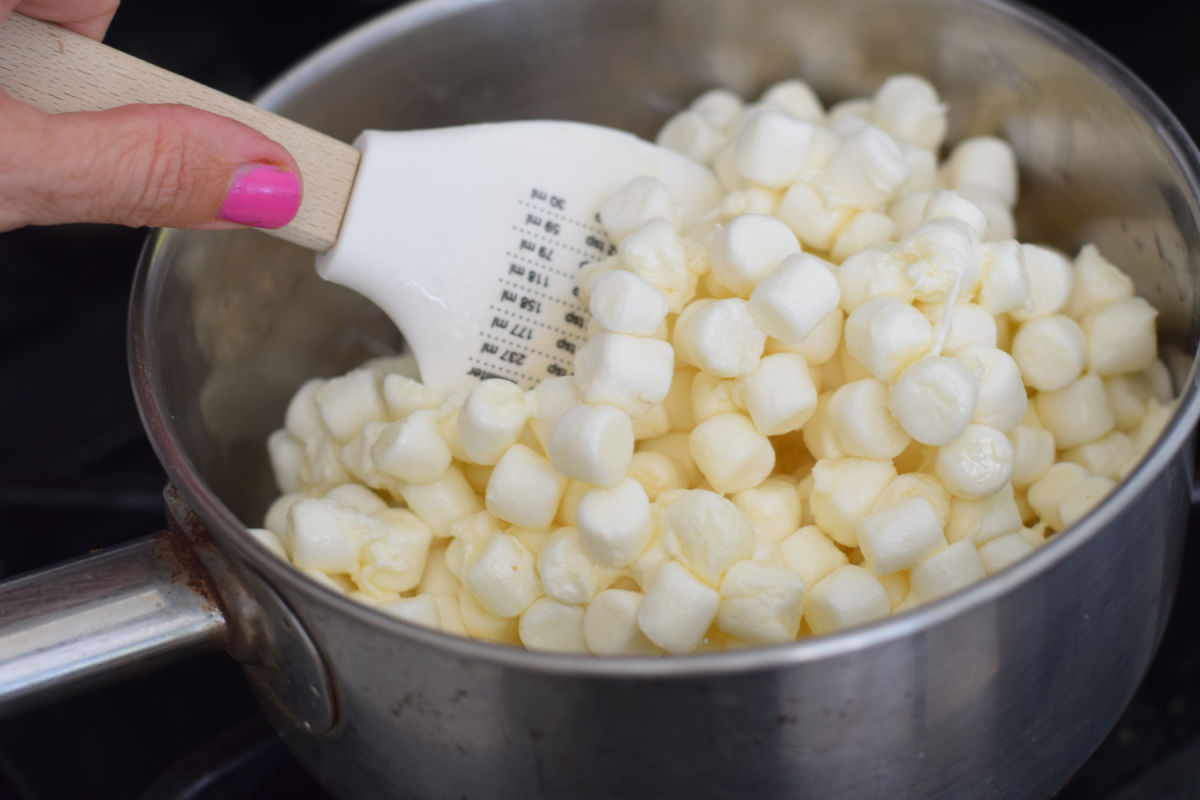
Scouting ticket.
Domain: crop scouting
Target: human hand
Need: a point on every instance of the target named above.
(158, 165)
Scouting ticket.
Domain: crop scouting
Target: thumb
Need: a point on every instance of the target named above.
(159, 165)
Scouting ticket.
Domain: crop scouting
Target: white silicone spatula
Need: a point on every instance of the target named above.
(469, 238)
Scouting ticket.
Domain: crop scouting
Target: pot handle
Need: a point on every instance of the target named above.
(107, 615)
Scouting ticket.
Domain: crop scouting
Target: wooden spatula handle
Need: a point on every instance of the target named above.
(57, 71)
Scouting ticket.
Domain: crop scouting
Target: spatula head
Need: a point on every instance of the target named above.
(472, 238)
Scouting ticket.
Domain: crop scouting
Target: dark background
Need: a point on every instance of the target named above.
(76, 471)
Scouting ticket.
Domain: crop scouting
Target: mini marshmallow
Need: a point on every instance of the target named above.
(795, 97)
(761, 604)
(276, 520)
(693, 135)
(934, 399)
(322, 466)
(614, 524)
(814, 216)
(449, 616)
(731, 453)
(1106, 456)
(348, 401)
(707, 533)
(437, 578)
(655, 253)
(677, 609)
(483, 624)
(1000, 223)
(867, 169)
(678, 402)
(548, 401)
(885, 335)
(621, 301)
(631, 373)
(846, 597)
(502, 575)
(1096, 281)
(720, 107)
(1046, 494)
(412, 449)
(965, 325)
(419, 610)
(975, 464)
(651, 424)
(908, 107)
(1120, 336)
(943, 260)
(843, 492)
(943, 204)
(1004, 280)
(743, 252)
(286, 453)
(719, 337)
(635, 204)
(656, 473)
(819, 346)
(592, 444)
(711, 395)
(610, 625)
(820, 437)
(1001, 401)
(1033, 453)
(440, 502)
(1050, 351)
(491, 419)
(862, 423)
(326, 536)
(900, 536)
(270, 540)
(1003, 551)
(1084, 496)
(1077, 413)
(524, 488)
(568, 574)
(773, 507)
(403, 395)
(357, 458)
(1128, 396)
(357, 497)
(984, 519)
(851, 107)
(396, 561)
(677, 447)
(866, 229)
(915, 484)
(867, 274)
(771, 148)
(1050, 282)
(568, 507)
(302, 418)
(948, 570)
(922, 170)
(794, 297)
(553, 626)
(811, 554)
(779, 394)
(984, 162)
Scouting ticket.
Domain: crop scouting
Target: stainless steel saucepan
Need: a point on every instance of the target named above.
(999, 691)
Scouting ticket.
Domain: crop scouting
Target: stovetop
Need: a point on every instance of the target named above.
(76, 471)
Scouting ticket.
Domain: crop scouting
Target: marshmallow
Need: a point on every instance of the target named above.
(548, 401)
(568, 574)
(761, 604)
(1046, 494)
(844, 490)
(731, 453)
(419, 610)
(322, 465)
(1077, 413)
(867, 169)
(524, 489)
(677, 609)
(819, 346)
(357, 497)
(270, 540)
(480, 623)
(813, 215)
(1001, 400)
(678, 402)
(634, 204)
(771, 148)
(867, 274)
(948, 570)
(437, 578)
(449, 614)
(675, 446)
(1106, 456)
(1120, 336)
(719, 337)
(862, 423)
(984, 519)
(656, 473)
(743, 252)
(975, 464)
(610, 625)
(592, 444)
(412, 449)
(773, 507)
(622, 302)
(811, 554)
(984, 162)
(631, 373)
(287, 459)
(964, 325)
(348, 401)
(866, 229)
(795, 97)
(934, 399)
(1033, 453)
(302, 418)
(614, 524)
(944, 204)
(846, 597)
(1084, 496)
(569, 505)
(1004, 280)
(922, 170)
(820, 437)
(396, 561)
(403, 395)
(655, 253)
(692, 134)
(326, 536)
(900, 536)
(720, 107)
(908, 107)
(440, 502)
(553, 626)
(1003, 551)
(707, 533)
(651, 424)
(711, 395)
(885, 335)
(1000, 223)
(1128, 396)
(1095, 282)
(943, 260)
(1050, 352)
(779, 394)
(502, 575)
(491, 419)
(276, 519)
(790, 301)
(1050, 282)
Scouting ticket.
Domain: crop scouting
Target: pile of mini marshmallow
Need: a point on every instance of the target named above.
(847, 393)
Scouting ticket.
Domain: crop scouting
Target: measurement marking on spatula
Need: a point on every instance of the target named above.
(563, 217)
(525, 318)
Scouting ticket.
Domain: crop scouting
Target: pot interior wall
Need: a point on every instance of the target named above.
(236, 321)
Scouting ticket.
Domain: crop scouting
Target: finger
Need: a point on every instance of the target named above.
(158, 165)
(87, 17)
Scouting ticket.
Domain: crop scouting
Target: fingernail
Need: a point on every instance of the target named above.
(261, 195)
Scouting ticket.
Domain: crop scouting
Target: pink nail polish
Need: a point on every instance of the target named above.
(262, 196)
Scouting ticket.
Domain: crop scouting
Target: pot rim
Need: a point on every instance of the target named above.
(233, 536)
